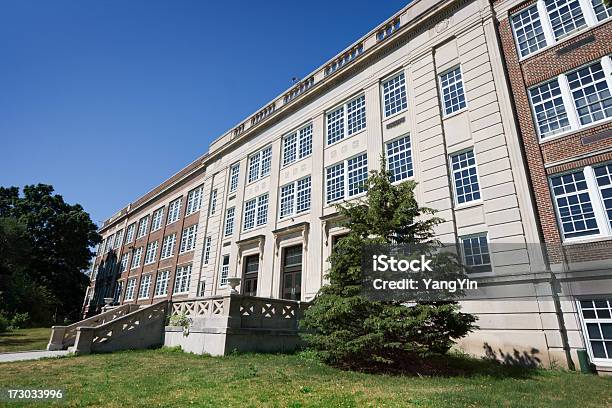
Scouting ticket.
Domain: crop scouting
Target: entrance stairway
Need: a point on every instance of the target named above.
(123, 327)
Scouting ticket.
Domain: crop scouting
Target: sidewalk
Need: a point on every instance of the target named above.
(31, 355)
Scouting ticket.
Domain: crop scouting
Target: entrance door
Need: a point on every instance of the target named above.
(292, 273)
(251, 270)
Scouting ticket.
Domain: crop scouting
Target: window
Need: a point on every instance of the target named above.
(158, 217)
(453, 96)
(145, 287)
(597, 324)
(109, 243)
(129, 235)
(591, 93)
(573, 100)
(260, 163)
(207, 247)
(213, 202)
(168, 246)
(346, 120)
(143, 227)
(124, 261)
(251, 270)
(295, 197)
(548, 109)
(161, 285)
(174, 211)
(188, 238)
(224, 273)
(338, 186)
(194, 200)
(528, 31)
(465, 177)
(601, 10)
(118, 239)
(476, 255)
(583, 203)
(565, 16)
(394, 95)
(151, 252)
(399, 159)
(255, 212)
(129, 289)
(297, 145)
(229, 221)
(292, 273)
(234, 172)
(137, 257)
(118, 290)
(181, 281)
(201, 288)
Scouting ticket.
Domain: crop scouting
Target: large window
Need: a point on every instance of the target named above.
(476, 255)
(224, 272)
(297, 145)
(194, 200)
(161, 285)
(118, 239)
(338, 186)
(260, 164)
(465, 177)
(251, 270)
(168, 246)
(109, 243)
(597, 324)
(212, 209)
(151, 252)
(137, 257)
(229, 221)
(158, 218)
(292, 273)
(182, 278)
(234, 174)
(174, 211)
(399, 159)
(547, 104)
(394, 94)
(583, 200)
(547, 21)
(124, 261)
(143, 227)
(129, 235)
(451, 88)
(295, 197)
(591, 92)
(346, 120)
(145, 286)
(207, 248)
(129, 289)
(256, 212)
(188, 238)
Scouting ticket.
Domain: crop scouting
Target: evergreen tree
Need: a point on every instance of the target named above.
(348, 329)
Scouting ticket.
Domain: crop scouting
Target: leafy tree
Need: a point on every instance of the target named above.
(348, 329)
(56, 238)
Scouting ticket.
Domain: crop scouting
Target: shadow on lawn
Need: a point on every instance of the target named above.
(18, 340)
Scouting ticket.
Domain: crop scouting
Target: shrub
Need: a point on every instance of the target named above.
(4, 323)
(20, 320)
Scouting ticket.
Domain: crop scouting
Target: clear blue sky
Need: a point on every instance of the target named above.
(106, 99)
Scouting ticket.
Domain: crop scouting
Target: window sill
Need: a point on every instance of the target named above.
(257, 180)
(455, 113)
(571, 132)
(288, 165)
(160, 296)
(170, 223)
(469, 204)
(394, 115)
(186, 252)
(587, 240)
(346, 137)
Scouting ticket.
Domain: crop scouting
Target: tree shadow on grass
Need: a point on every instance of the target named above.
(18, 341)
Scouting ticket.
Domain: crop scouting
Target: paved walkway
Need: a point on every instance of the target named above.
(31, 355)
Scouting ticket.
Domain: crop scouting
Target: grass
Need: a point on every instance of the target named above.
(165, 378)
(24, 339)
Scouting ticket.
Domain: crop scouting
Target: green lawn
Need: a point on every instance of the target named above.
(24, 339)
(163, 378)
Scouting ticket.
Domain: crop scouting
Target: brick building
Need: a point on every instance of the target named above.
(557, 55)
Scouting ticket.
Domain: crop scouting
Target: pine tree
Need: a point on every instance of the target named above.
(350, 330)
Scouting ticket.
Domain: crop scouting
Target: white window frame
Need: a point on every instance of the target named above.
(599, 210)
(151, 252)
(442, 88)
(256, 164)
(568, 100)
(188, 239)
(207, 249)
(182, 279)
(345, 128)
(157, 220)
(463, 254)
(125, 261)
(129, 289)
(597, 320)
(212, 207)
(143, 227)
(294, 141)
(259, 206)
(228, 226)
(109, 243)
(234, 174)
(194, 200)
(224, 270)
(145, 280)
(454, 185)
(174, 211)
(383, 95)
(129, 235)
(137, 257)
(161, 282)
(118, 239)
(408, 152)
(588, 12)
(294, 198)
(168, 244)
(345, 179)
